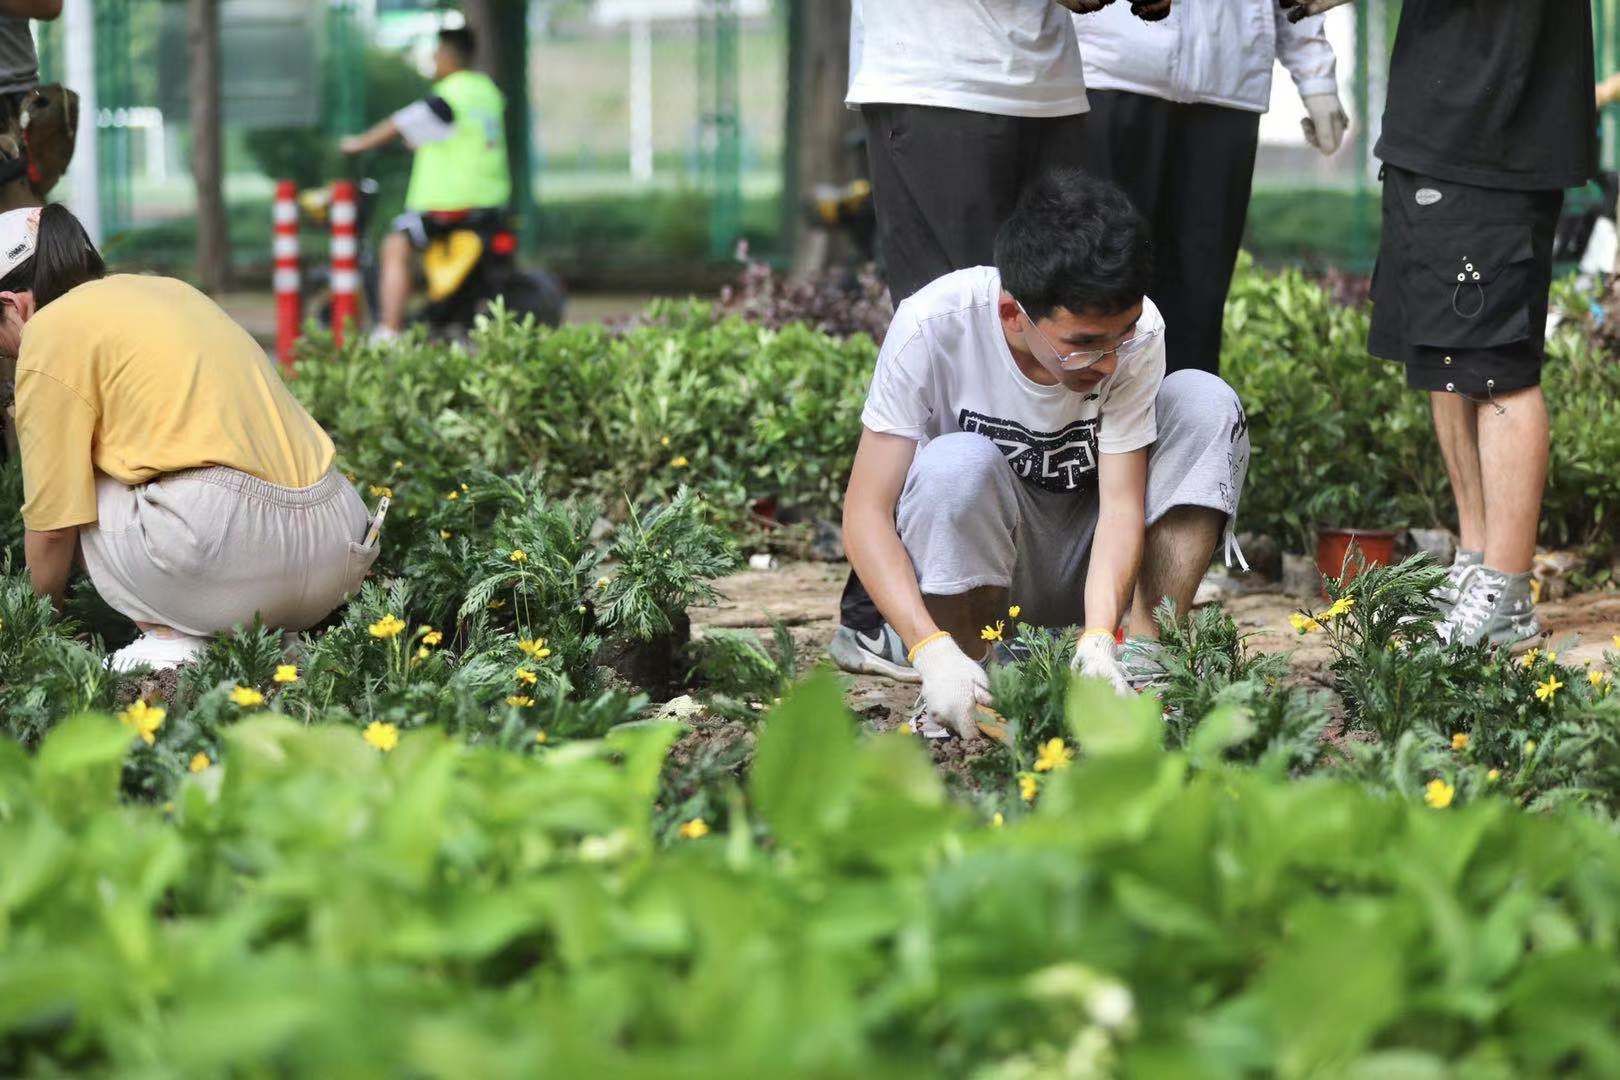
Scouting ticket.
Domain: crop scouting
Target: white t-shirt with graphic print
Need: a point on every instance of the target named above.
(945, 366)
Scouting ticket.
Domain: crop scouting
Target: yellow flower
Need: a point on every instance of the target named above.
(433, 637)
(993, 633)
(464, 487)
(199, 762)
(496, 605)
(398, 464)
(1015, 611)
(423, 653)
(518, 701)
(1438, 793)
(1028, 786)
(679, 462)
(998, 821)
(246, 697)
(286, 673)
(1616, 641)
(664, 441)
(383, 736)
(1459, 740)
(1547, 690)
(527, 677)
(1302, 623)
(386, 627)
(382, 490)
(144, 719)
(601, 583)
(540, 737)
(1529, 660)
(1599, 679)
(1341, 606)
(1053, 755)
(519, 556)
(445, 534)
(1494, 775)
(452, 495)
(535, 649)
(1552, 657)
(1529, 747)
(696, 829)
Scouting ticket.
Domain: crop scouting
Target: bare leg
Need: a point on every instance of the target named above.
(1456, 424)
(394, 281)
(157, 629)
(1175, 558)
(1513, 462)
(966, 614)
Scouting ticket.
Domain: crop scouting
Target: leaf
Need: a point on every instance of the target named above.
(804, 770)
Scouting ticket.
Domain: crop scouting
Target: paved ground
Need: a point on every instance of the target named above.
(804, 595)
(256, 311)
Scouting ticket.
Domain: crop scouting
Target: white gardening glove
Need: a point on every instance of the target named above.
(1304, 9)
(1095, 658)
(1325, 126)
(953, 687)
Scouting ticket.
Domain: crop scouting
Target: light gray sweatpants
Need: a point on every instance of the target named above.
(207, 550)
(969, 522)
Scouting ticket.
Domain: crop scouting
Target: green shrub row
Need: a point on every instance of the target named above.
(309, 904)
(750, 414)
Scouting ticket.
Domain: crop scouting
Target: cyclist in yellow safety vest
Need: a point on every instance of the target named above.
(459, 137)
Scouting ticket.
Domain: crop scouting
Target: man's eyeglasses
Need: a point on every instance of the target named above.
(1126, 348)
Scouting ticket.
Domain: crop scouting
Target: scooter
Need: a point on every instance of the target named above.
(470, 262)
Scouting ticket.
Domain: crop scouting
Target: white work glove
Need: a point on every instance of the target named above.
(1304, 9)
(1095, 658)
(1325, 126)
(953, 687)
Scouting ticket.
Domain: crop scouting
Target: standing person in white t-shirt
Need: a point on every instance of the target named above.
(1175, 121)
(964, 103)
(1022, 446)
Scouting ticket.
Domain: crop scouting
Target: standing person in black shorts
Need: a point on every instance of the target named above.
(1491, 114)
(964, 102)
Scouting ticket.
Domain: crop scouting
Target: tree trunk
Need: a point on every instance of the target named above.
(501, 30)
(818, 123)
(207, 150)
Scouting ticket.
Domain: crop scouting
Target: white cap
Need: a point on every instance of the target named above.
(19, 237)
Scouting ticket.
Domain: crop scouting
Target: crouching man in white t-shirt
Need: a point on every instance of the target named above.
(1022, 446)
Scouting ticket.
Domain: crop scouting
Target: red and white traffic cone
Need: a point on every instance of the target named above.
(345, 259)
(284, 246)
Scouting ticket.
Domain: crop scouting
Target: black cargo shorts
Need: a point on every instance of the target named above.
(1460, 290)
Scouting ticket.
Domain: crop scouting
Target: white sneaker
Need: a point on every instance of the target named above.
(158, 652)
(382, 335)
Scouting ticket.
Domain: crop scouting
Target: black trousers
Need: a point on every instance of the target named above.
(1189, 169)
(943, 181)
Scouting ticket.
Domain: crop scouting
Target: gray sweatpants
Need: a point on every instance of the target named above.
(968, 522)
(207, 550)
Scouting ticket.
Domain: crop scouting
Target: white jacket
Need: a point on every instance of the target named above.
(1214, 52)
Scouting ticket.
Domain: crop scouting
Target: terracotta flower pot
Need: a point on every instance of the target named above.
(1344, 553)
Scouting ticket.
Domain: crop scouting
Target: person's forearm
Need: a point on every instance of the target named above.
(884, 567)
(50, 561)
(45, 10)
(380, 134)
(1116, 556)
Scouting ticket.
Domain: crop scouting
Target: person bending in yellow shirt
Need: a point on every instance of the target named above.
(161, 449)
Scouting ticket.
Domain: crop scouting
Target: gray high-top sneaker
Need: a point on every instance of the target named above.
(1445, 595)
(1495, 609)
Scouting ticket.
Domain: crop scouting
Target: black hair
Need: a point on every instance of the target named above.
(1074, 242)
(461, 41)
(63, 259)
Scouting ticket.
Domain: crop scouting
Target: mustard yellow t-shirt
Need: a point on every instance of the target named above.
(137, 376)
